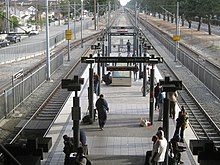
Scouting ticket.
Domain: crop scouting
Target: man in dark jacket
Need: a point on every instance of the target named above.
(102, 108)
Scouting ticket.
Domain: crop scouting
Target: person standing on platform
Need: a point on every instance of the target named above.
(154, 149)
(96, 82)
(161, 97)
(135, 72)
(68, 148)
(181, 124)
(128, 44)
(156, 95)
(173, 99)
(81, 159)
(102, 108)
(160, 147)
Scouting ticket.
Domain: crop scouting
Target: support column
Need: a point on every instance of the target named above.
(166, 123)
(151, 117)
(99, 74)
(90, 93)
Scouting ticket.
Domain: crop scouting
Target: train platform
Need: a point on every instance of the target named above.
(123, 141)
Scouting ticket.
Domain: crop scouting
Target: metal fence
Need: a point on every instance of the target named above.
(197, 67)
(13, 97)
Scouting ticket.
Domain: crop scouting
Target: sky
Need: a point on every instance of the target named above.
(124, 2)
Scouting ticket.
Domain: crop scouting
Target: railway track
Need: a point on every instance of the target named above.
(200, 115)
(42, 118)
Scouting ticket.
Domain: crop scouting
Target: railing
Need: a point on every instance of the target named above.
(211, 81)
(13, 97)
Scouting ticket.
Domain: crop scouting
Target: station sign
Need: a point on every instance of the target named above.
(122, 27)
(150, 60)
(68, 34)
(121, 68)
(121, 34)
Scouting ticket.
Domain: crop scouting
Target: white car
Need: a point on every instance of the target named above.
(34, 32)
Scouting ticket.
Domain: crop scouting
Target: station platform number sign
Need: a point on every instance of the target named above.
(176, 37)
(68, 34)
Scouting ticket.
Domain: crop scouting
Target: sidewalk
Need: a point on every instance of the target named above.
(123, 141)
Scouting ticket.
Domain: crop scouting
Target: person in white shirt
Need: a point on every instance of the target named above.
(158, 156)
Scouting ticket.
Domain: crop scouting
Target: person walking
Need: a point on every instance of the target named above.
(173, 99)
(160, 149)
(102, 108)
(128, 44)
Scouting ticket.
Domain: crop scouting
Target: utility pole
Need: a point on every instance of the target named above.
(47, 43)
(177, 30)
(68, 59)
(97, 17)
(94, 14)
(7, 23)
(74, 25)
(81, 23)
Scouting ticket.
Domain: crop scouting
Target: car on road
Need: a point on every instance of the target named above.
(14, 38)
(4, 42)
(34, 32)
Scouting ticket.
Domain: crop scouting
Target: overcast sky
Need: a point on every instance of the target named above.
(124, 2)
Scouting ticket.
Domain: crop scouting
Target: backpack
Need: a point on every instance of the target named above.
(86, 120)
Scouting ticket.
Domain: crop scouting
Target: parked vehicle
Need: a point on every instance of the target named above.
(14, 38)
(34, 32)
(4, 42)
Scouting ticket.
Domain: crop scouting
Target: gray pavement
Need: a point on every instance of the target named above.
(123, 141)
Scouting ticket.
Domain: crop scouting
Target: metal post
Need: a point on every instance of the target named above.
(177, 30)
(68, 54)
(103, 54)
(97, 27)
(75, 123)
(74, 22)
(6, 103)
(99, 74)
(7, 17)
(90, 94)
(109, 10)
(109, 43)
(166, 123)
(151, 117)
(47, 43)
(140, 64)
(144, 77)
(94, 14)
(81, 24)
